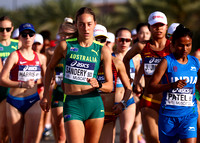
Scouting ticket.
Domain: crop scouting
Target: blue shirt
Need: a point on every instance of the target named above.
(180, 102)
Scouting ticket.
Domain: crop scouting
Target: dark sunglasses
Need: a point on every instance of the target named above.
(8, 29)
(101, 40)
(124, 39)
(24, 35)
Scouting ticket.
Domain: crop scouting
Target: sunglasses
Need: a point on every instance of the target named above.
(101, 40)
(8, 29)
(124, 39)
(24, 35)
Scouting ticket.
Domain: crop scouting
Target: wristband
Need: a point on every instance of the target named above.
(123, 103)
(20, 84)
(100, 84)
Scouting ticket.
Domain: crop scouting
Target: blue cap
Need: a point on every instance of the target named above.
(26, 26)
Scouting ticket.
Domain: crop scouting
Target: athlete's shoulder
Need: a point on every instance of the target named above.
(14, 54)
(195, 60)
(117, 62)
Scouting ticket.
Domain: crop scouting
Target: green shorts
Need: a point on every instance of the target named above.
(83, 107)
(57, 97)
(4, 93)
(197, 94)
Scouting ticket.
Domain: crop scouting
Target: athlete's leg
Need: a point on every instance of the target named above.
(150, 124)
(93, 128)
(57, 114)
(189, 140)
(3, 124)
(15, 123)
(41, 124)
(134, 131)
(107, 133)
(126, 123)
(40, 127)
(32, 119)
(75, 131)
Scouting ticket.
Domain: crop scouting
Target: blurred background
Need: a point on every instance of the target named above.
(48, 14)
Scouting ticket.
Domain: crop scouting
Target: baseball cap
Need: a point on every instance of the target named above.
(133, 32)
(157, 17)
(15, 33)
(111, 37)
(38, 38)
(26, 26)
(100, 30)
(171, 29)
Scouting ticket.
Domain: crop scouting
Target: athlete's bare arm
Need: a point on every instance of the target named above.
(59, 53)
(1, 65)
(154, 84)
(5, 74)
(107, 61)
(43, 61)
(136, 49)
(127, 86)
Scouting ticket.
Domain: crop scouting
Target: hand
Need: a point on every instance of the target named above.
(179, 84)
(118, 108)
(138, 89)
(28, 84)
(44, 104)
(93, 81)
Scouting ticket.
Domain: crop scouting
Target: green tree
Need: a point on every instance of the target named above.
(48, 15)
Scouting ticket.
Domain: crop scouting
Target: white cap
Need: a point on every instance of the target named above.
(133, 32)
(111, 37)
(100, 30)
(15, 33)
(171, 29)
(157, 17)
(38, 38)
(68, 20)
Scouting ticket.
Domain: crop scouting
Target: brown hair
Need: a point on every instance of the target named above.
(5, 18)
(68, 26)
(85, 10)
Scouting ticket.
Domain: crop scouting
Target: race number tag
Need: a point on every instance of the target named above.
(27, 72)
(150, 65)
(180, 97)
(78, 70)
(59, 78)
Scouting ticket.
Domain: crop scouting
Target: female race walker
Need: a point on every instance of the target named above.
(127, 117)
(7, 45)
(83, 109)
(143, 35)
(152, 52)
(178, 72)
(21, 71)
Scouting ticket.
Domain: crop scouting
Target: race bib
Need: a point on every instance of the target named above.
(150, 65)
(27, 72)
(79, 71)
(59, 78)
(180, 97)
